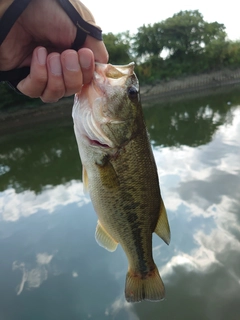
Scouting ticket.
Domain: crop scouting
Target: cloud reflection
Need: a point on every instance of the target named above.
(33, 278)
(121, 309)
(201, 190)
(15, 205)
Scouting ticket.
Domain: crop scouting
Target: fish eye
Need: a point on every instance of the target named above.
(132, 92)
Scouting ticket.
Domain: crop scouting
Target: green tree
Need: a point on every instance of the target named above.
(232, 56)
(190, 44)
(148, 41)
(119, 47)
(182, 33)
(214, 31)
(186, 33)
(215, 54)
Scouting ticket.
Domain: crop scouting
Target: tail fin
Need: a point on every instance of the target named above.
(149, 287)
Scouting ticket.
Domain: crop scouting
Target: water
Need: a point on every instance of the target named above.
(52, 268)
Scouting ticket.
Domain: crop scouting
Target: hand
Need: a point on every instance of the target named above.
(40, 38)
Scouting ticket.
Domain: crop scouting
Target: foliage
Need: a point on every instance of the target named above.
(184, 33)
(232, 54)
(190, 44)
(148, 41)
(118, 46)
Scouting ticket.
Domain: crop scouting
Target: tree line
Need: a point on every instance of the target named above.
(181, 45)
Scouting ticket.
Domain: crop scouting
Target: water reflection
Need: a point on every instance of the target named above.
(16, 205)
(34, 277)
(22, 156)
(190, 122)
(51, 266)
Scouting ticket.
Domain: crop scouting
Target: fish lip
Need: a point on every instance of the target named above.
(104, 77)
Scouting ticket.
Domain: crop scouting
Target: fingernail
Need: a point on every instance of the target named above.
(71, 61)
(55, 65)
(85, 61)
(42, 56)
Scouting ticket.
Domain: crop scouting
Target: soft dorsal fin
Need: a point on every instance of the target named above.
(162, 228)
(85, 179)
(104, 239)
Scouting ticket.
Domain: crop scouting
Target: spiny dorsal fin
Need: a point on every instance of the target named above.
(162, 228)
(85, 179)
(104, 239)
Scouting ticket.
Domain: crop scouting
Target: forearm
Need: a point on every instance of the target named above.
(80, 7)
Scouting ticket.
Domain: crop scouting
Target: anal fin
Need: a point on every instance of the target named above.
(162, 228)
(104, 239)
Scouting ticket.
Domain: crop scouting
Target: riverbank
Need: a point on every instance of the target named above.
(189, 87)
(191, 84)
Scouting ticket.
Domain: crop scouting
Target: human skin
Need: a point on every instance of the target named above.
(41, 38)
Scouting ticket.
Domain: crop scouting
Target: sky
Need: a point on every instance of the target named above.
(119, 16)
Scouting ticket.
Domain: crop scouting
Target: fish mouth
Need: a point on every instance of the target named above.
(110, 75)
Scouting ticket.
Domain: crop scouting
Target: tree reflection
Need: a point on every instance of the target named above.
(38, 158)
(189, 122)
(49, 156)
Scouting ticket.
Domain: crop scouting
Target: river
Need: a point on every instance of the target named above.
(51, 267)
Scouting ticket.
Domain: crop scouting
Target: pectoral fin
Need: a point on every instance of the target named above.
(108, 175)
(85, 179)
(162, 228)
(104, 239)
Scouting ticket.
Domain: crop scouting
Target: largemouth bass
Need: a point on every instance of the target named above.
(120, 174)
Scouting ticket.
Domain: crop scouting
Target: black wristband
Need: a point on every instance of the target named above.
(83, 28)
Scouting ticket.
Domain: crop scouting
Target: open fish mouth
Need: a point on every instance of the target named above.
(111, 75)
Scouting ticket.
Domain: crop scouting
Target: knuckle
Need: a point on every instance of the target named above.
(56, 91)
(40, 81)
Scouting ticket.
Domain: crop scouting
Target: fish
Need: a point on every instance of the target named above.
(120, 174)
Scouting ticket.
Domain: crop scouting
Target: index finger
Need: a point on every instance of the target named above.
(34, 84)
(98, 48)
